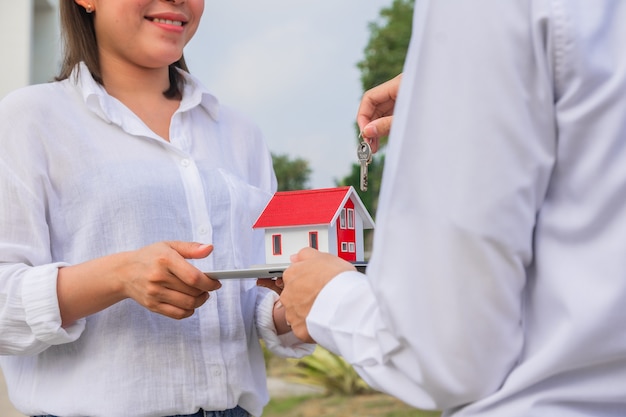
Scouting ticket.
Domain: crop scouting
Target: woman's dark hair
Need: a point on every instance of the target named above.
(80, 44)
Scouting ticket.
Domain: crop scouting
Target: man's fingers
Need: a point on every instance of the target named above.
(377, 129)
(378, 103)
(304, 254)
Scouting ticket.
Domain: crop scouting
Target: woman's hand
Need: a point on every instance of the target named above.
(375, 113)
(275, 284)
(158, 277)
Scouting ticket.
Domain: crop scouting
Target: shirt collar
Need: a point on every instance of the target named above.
(101, 103)
(194, 93)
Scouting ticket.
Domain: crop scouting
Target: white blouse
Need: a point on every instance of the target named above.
(81, 177)
(497, 285)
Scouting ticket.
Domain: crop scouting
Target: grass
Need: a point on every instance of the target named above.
(366, 405)
(370, 405)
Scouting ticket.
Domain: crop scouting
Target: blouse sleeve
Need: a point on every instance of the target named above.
(285, 345)
(30, 320)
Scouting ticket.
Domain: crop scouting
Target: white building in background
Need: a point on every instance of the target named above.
(30, 43)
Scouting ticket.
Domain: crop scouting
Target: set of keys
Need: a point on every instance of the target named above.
(364, 154)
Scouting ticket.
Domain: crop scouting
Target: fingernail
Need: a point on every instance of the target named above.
(370, 131)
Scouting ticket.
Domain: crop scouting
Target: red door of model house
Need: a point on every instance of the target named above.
(346, 235)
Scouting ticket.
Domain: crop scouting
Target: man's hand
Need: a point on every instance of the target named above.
(308, 274)
(375, 113)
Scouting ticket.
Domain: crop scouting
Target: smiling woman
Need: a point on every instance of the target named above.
(137, 181)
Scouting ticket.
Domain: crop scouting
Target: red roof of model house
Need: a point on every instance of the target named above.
(305, 207)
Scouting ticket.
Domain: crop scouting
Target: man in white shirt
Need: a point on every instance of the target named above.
(497, 284)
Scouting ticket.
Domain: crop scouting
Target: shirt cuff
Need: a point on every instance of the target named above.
(323, 321)
(286, 345)
(41, 306)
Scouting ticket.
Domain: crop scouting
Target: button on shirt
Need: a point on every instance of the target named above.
(497, 284)
(81, 177)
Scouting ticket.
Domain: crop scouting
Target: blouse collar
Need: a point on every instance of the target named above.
(104, 105)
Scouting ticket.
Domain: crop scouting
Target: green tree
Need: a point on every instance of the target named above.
(388, 44)
(291, 174)
(383, 59)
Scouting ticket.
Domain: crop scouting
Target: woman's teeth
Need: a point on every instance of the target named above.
(168, 22)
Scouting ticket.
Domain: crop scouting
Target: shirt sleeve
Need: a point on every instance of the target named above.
(30, 319)
(437, 321)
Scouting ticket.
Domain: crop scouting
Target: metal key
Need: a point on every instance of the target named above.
(364, 153)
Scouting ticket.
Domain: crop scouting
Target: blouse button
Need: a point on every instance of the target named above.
(185, 162)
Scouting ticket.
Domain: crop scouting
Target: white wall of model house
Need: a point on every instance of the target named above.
(31, 46)
(297, 237)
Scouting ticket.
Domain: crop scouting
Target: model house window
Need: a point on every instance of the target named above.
(350, 218)
(342, 218)
(351, 248)
(344, 246)
(277, 245)
(313, 240)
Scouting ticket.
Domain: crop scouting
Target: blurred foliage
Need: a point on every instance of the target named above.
(383, 60)
(388, 44)
(332, 401)
(291, 174)
(331, 372)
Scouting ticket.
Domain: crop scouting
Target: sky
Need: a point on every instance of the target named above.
(290, 66)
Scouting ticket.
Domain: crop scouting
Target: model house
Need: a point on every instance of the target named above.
(328, 219)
